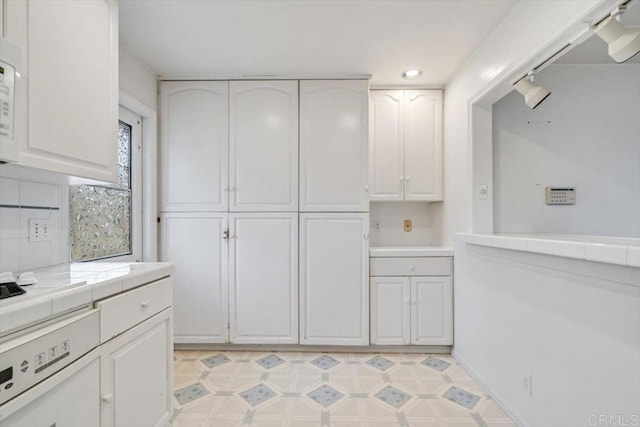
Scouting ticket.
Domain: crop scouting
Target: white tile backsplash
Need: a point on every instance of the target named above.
(17, 253)
(9, 192)
(387, 224)
(9, 255)
(35, 194)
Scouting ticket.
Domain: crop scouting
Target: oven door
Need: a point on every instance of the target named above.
(69, 398)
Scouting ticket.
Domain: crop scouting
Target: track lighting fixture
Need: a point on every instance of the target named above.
(623, 42)
(533, 95)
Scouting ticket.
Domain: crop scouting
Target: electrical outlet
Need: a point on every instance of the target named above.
(527, 384)
(483, 191)
(39, 230)
(407, 225)
(376, 225)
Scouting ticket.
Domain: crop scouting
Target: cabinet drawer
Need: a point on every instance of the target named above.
(423, 266)
(121, 312)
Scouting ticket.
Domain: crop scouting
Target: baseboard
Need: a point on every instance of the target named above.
(432, 349)
(486, 388)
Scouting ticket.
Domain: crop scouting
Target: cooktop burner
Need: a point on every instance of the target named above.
(10, 289)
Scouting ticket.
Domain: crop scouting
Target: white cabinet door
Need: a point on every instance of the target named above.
(264, 278)
(334, 279)
(423, 145)
(71, 53)
(390, 310)
(386, 148)
(194, 146)
(334, 145)
(136, 375)
(263, 158)
(431, 313)
(196, 243)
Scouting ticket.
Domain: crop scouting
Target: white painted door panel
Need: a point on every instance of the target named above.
(423, 145)
(263, 162)
(264, 278)
(334, 278)
(334, 145)
(390, 310)
(195, 243)
(136, 378)
(194, 146)
(71, 53)
(386, 149)
(431, 312)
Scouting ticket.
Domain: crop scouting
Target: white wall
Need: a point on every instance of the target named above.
(573, 325)
(138, 93)
(585, 135)
(137, 78)
(529, 27)
(387, 224)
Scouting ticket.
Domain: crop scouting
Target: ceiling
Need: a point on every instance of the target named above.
(320, 37)
(594, 49)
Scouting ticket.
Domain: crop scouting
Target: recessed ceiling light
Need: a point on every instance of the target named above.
(412, 74)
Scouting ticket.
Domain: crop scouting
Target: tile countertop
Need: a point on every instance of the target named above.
(66, 287)
(610, 250)
(409, 251)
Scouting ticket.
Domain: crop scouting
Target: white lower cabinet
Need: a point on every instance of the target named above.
(334, 272)
(390, 310)
(196, 243)
(263, 278)
(431, 311)
(136, 375)
(412, 310)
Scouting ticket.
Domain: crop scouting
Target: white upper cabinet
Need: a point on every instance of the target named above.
(406, 145)
(334, 278)
(196, 243)
(71, 50)
(423, 145)
(263, 278)
(194, 146)
(263, 158)
(334, 145)
(386, 150)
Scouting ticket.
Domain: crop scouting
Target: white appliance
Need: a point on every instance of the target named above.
(46, 368)
(12, 100)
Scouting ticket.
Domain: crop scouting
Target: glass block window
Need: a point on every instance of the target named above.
(101, 216)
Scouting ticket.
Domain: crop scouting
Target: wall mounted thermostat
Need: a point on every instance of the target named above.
(561, 195)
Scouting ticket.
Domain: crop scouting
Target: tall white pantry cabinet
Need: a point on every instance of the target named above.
(246, 167)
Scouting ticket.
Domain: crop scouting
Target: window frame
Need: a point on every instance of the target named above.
(135, 175)
(135, 121)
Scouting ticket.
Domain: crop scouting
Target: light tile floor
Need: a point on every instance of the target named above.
(286, 389)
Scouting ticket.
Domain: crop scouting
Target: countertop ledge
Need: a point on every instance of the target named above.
(609, 250)
(409, 251)
(67, 287)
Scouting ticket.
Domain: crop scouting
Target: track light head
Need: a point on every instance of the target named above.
(533, 95)
(623, 42)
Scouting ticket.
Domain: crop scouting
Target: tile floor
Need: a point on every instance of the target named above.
(283, 389)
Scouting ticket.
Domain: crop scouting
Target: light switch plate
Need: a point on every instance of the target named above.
(39, 230)
(408, 225)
